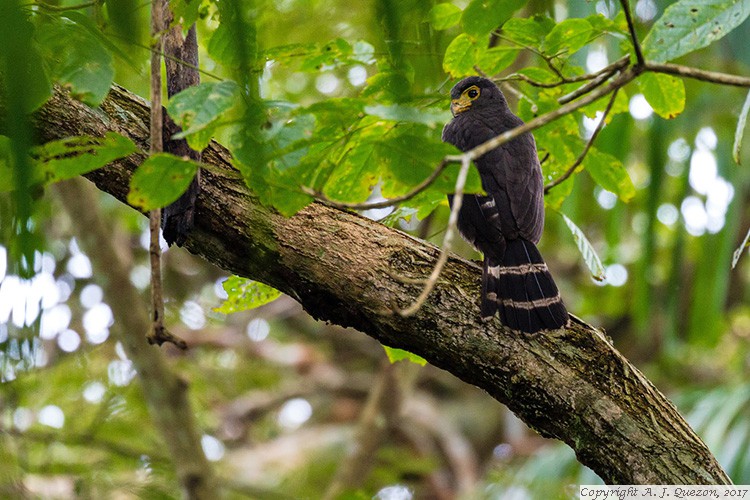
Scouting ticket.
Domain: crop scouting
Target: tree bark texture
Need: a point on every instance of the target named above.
(570, 384)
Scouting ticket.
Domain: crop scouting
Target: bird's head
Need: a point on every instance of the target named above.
(475, 92)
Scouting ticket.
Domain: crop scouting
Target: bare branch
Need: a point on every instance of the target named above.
(607, 70)
(585, 151)
(384, 203)
(600, 78)
(633, 35)
(450, 231)
(158, 334)
(699, 74)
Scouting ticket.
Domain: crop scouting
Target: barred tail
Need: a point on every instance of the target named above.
(521, 288)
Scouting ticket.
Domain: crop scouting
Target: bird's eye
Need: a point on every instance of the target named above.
(473, 93)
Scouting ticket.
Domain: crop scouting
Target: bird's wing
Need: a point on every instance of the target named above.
(514, 168)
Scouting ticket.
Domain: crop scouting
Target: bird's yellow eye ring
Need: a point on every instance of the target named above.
(472, 92)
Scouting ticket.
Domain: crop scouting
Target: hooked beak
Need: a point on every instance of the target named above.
(460, 105)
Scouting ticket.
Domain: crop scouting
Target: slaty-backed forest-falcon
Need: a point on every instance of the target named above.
(506, 223)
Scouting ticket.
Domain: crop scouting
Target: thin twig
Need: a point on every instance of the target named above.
(607, 70)
(699, 74)
(586, 148)
(633, 35)
(600, 78)
(158, 334)
(447, 239)
(389, 202)
(623, 79)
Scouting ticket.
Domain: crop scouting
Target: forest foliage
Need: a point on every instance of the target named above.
(347, 103)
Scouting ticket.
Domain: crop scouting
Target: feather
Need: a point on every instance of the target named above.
(506, 224)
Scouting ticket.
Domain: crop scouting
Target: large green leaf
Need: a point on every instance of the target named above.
(76, 59)
(569, 36)
(609, 173)
(665, 93)
(480, 17)
(354, 179)
(689, 25)
(588, 253)
(492, 61)
(160, 180)
(528, 32)
(460, 56)
(200, 109)
(244, 294)
(70, 157)
(185, 12)
(444, 16)
(233, 44)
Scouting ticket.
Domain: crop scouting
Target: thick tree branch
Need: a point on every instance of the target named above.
(569, 384)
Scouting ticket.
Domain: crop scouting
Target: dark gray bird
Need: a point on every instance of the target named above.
(506, 224)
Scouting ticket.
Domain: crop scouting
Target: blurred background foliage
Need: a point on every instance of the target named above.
(345, 97)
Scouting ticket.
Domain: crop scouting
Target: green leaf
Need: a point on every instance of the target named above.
(587, 251)
(665, 93)
(226, 48)
(493, 61)
(460, 56)
(408, 158)
(160, 180)
(77, 60)
(569, 36)
(74, 156)
(542, 75)
(199, 110)
(480, 17)
(185, 12)
(70, 157)
(689, 25)
(740, 131)
(395, 355)
(601, 24)
(609, 173)
(335, 53)
(244, 294)
(528, 32)
(353, 181)
(444, 15)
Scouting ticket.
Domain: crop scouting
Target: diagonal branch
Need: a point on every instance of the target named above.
(339, 266)
(384, 203)
(699, 74)
(450, 234)
(589, 143)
